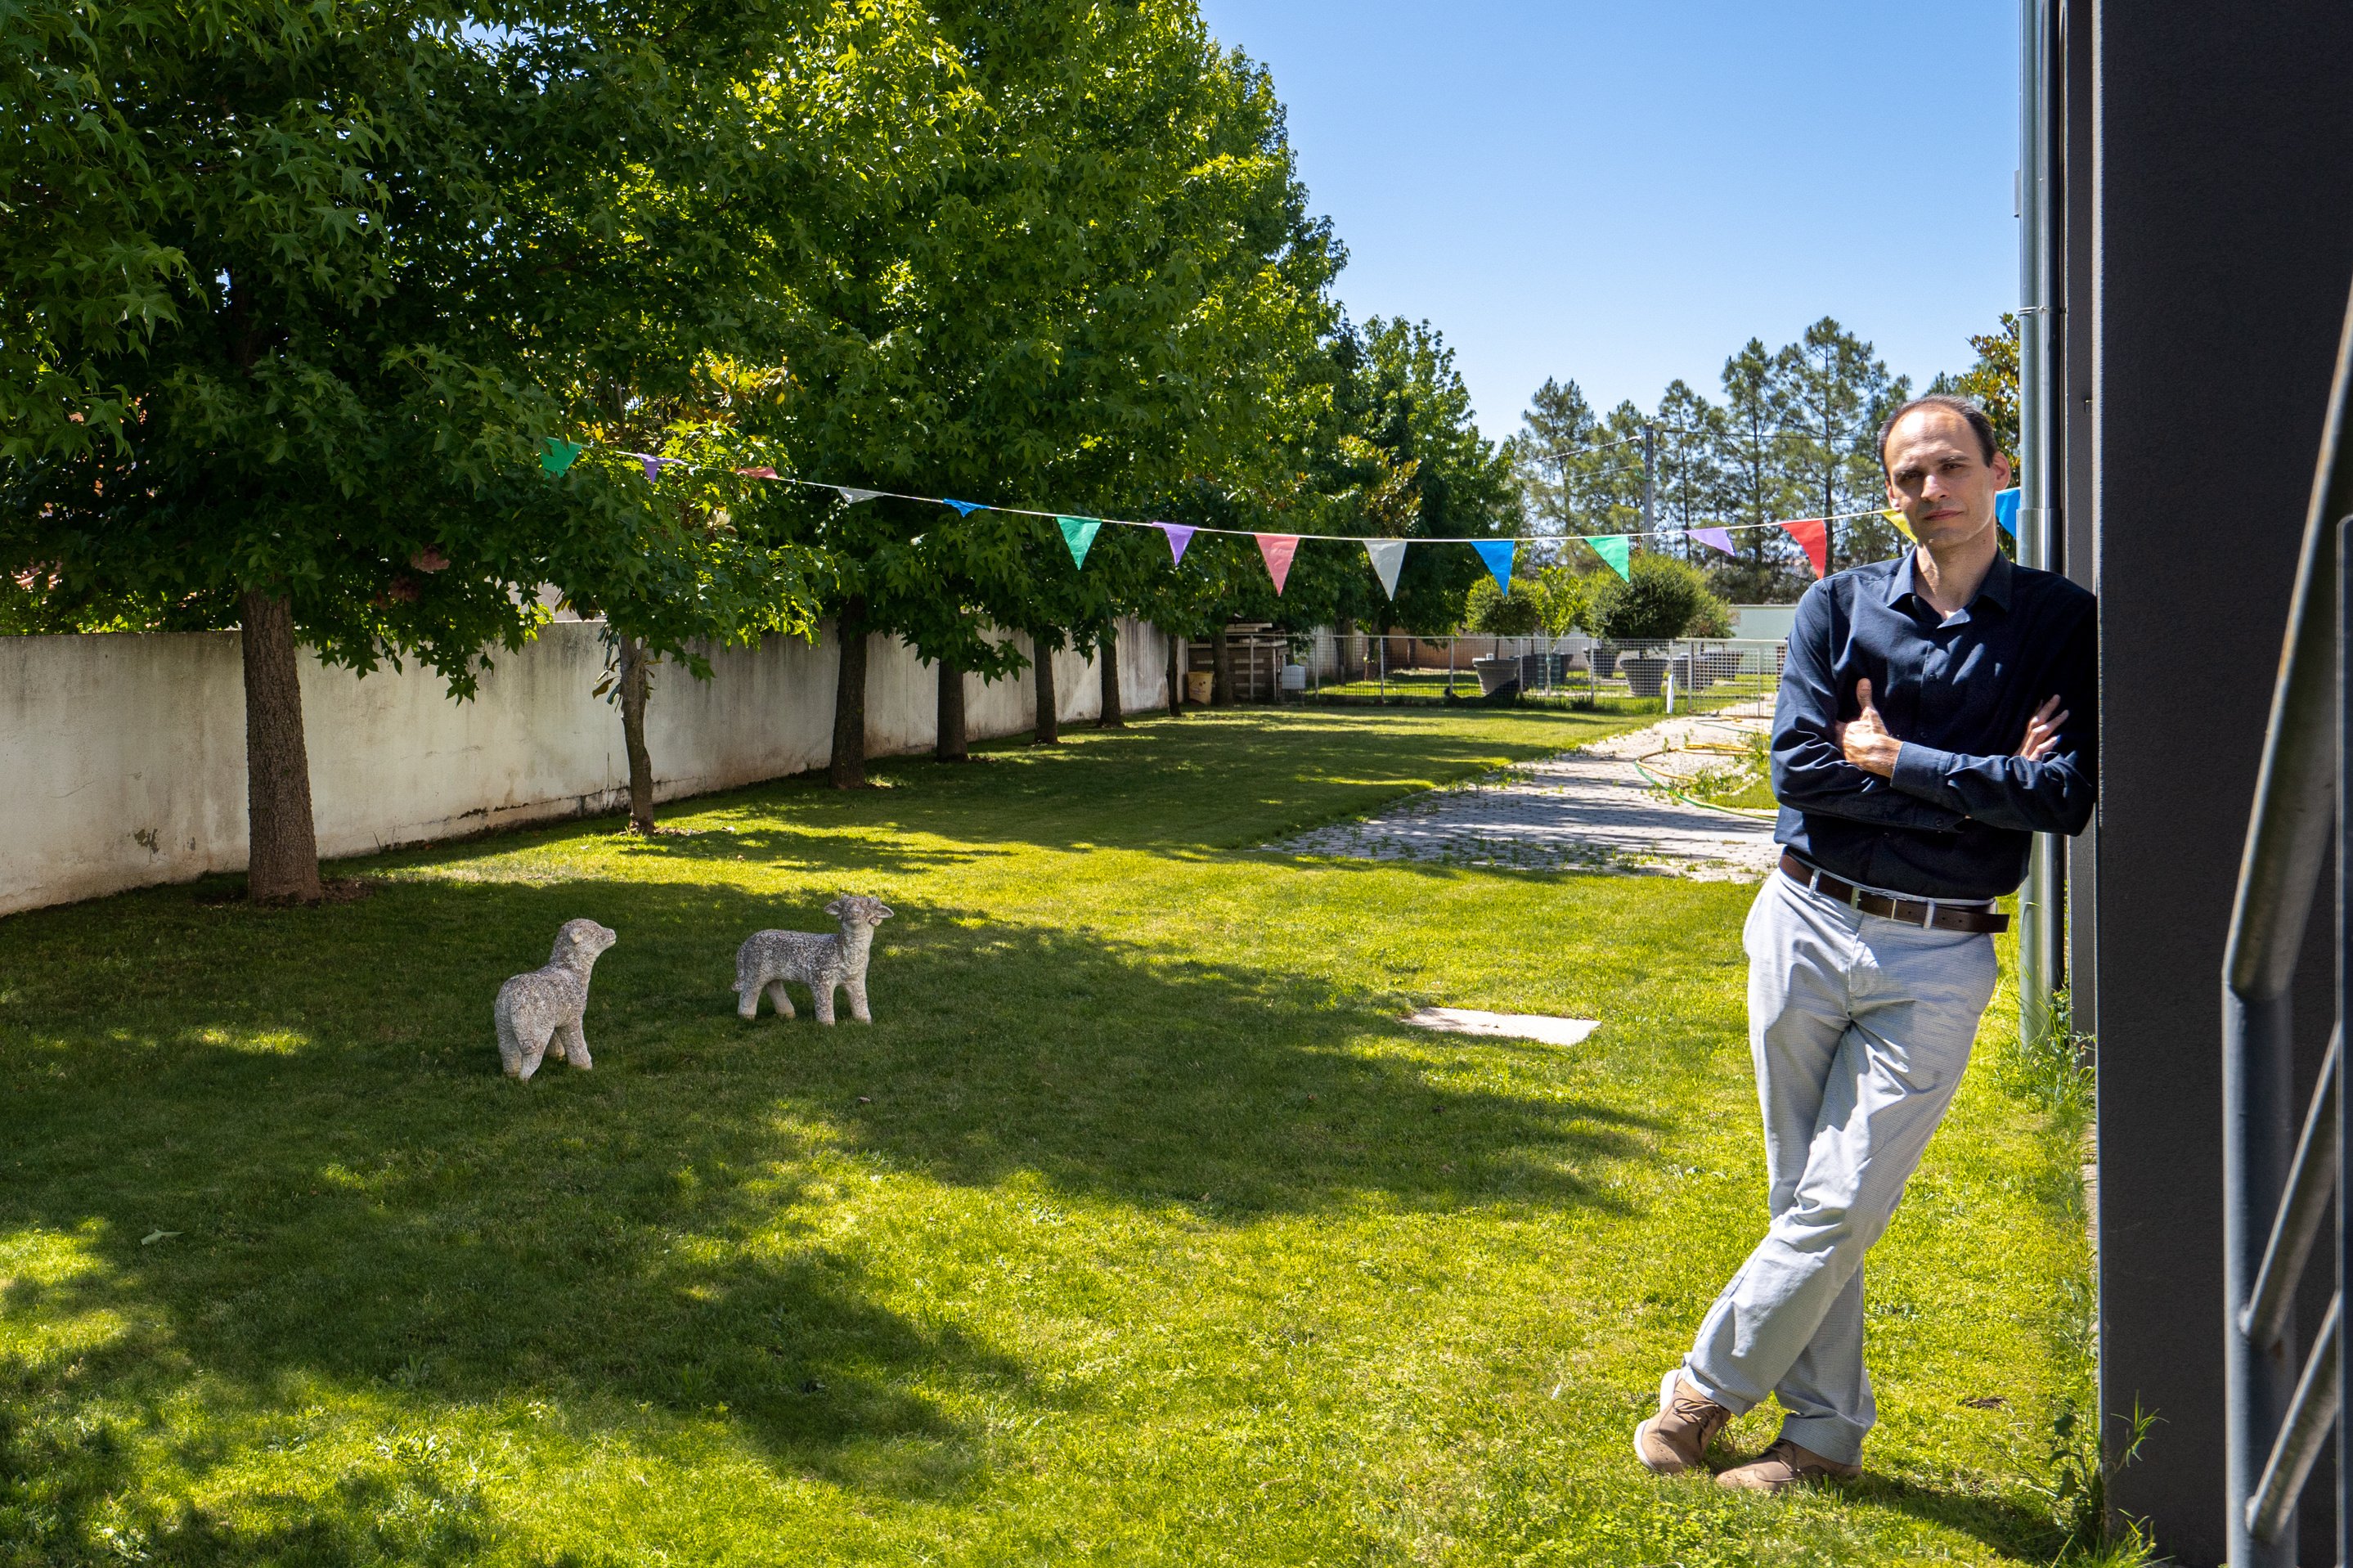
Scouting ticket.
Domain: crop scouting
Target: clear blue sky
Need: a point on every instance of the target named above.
(1626, 193)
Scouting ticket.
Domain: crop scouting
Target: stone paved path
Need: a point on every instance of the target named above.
(1589, 809)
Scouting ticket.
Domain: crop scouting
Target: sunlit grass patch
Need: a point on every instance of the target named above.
(1137, 1228)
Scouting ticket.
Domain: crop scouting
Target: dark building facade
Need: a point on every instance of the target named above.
(2203, 247)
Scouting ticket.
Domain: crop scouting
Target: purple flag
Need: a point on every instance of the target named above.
(1180, 535)
(1715, 539)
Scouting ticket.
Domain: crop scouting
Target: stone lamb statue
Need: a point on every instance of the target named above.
(769, 958)
(540, 1013)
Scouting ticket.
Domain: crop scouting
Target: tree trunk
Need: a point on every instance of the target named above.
(1107, 667)
(1177, 649)
(1221, 669)
(847, 768)
(1049, 730)
(282, 857)
(636, 683)
(952, 746)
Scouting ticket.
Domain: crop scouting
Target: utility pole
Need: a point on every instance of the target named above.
(1649, 477)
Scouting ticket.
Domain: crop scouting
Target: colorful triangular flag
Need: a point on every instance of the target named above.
(1497, 553)
(1179, 535)
(556, 454)
(1814, 534)
(1389, 555)
(1902, 524)
(1615, 549)
(2005, 510)
(1079, 534)
(654, 465)
(1714, 538)
(853, 495)
(964, 508)
(1278, 550)
(762, 471)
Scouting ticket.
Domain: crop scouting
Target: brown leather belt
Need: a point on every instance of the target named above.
(1925, 913)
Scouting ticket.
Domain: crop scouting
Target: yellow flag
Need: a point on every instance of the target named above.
(1896, 516)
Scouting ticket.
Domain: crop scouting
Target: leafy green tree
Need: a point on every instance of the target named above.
(1692, 436)
(249, 382)
(1835, 392)
(1094, 303)
(1661, 598)
(1756, 486)
(1992, 381)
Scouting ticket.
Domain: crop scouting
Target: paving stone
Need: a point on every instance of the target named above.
(1584, 810)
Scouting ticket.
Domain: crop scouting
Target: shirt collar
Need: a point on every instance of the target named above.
(1902, 584)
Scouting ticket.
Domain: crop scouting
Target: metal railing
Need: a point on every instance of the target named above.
(2276, 1194)
(1682, 674)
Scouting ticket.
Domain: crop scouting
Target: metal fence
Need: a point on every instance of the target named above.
(1682, 674)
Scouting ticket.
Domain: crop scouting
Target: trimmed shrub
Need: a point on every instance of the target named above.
(1661, 598)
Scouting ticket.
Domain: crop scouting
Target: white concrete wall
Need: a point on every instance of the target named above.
(122, 757)
(1764, 622)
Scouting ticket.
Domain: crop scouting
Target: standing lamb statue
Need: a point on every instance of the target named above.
(540, 1013)
(769, 958)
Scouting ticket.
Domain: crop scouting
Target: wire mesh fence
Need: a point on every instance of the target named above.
(1676, 675)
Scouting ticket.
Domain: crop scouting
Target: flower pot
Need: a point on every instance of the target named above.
(1646, 674)
(1496, 674)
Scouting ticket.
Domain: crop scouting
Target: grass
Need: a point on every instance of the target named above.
(1137, 1230)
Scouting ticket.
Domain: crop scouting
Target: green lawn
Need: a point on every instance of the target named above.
(1137, 1230)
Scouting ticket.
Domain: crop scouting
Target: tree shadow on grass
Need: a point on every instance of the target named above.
(1184, 789)
(309, 1100)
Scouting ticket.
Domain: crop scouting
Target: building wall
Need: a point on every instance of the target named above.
(2217, 277)
(125, 754)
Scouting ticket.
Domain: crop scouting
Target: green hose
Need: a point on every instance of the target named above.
(1672, 793)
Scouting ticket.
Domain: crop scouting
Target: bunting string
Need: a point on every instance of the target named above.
(1277, 550)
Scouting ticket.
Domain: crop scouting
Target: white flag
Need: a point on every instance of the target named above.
(855, 496)
(1389, 555)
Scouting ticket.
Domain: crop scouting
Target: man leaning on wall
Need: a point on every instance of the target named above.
(1937, 713)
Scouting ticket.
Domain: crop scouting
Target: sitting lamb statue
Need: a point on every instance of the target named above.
(768, 959)
(539, 1012)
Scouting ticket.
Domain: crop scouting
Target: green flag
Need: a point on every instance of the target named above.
(556, 455)
(1612, 548)
(1079, 534)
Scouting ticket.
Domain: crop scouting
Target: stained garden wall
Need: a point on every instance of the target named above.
(122, 757)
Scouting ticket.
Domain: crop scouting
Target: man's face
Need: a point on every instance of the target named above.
(1937, 474)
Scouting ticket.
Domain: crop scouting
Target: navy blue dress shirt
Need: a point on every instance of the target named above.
(1957, 819)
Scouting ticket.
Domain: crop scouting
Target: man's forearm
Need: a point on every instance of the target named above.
(2049, 796)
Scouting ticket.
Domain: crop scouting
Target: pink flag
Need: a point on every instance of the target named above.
(1815, 536)
(1278, 550)
(1178, 536)
(1718, 538)
(757, 472)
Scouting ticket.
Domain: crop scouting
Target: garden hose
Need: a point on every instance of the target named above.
(1672, 793)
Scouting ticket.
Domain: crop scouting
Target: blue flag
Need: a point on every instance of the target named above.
(2005, 510)
(964, 508)
(1497, 553)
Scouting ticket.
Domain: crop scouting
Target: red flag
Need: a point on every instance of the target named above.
(1815, 536)
(1278, 550)
(762, 473)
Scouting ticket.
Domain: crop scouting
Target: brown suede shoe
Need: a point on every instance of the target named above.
(1676, 1438)
(1783, 1465)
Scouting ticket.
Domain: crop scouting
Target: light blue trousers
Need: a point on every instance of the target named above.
(1860, 1028)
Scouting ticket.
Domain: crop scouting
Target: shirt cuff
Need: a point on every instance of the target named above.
(1921, 772)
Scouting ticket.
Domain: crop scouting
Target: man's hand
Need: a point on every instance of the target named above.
(2043, 731)
(1865, 740)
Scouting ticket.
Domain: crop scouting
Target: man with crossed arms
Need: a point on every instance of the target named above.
(1936, 713)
